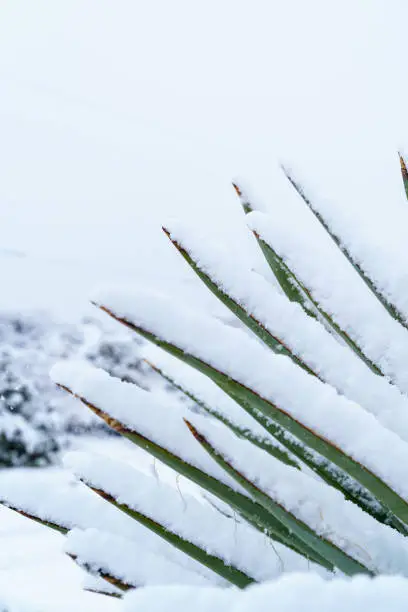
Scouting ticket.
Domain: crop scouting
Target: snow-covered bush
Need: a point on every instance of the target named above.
(36, 418)
(297, 448)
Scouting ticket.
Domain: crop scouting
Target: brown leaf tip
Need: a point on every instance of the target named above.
(403, 165)
(101, 493)
(112, 422)
(151, 365)
(237, 190)
(199, 437)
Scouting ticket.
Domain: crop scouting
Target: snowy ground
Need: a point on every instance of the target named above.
(33, 565)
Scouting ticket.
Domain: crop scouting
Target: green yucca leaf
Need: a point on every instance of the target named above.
(50, 524)
(240, 311)
(386, 303)
(297, 292)
(245, 203)
(328, 471)
(112, 580)
(289, 283)
(105, 593)
(365, 477)
(320, 545)
(243, 395)
(251, 511)
(263, 443)
(214, 563)
(100, 592)
(404, 173)
(294, 290)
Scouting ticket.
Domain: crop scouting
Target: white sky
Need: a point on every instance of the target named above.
(116, 114)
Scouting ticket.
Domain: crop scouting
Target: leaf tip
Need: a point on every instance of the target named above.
(237, 189)
(404, 170)
(199, 437)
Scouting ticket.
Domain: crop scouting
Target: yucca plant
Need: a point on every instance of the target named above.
(293, 432)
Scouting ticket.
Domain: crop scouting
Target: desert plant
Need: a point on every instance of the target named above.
(297, 444)
(28, 421)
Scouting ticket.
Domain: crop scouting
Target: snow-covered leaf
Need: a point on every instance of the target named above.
(257, 380)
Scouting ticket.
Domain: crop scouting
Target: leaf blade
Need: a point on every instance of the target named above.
(251, 511)
(320, 545)
(384, 301)
(240, 311)
(212, 562)
(244, 396)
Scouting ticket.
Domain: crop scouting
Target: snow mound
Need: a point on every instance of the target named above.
(283, 595)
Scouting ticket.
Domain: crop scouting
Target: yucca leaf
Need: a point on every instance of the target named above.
(365, 477)
(246, 397)
(404, 173)
(274, 343)
(297, 292)
(251, 511)
(386, 303)
(217, 565)
(112, 580)
(289, 283)
(263, 443)
(243, 198)
(326, 470)
(37, 519)
(100, 592)
(320, 545)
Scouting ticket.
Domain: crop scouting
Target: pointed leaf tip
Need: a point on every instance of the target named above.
(404, 172)
(110, 421)
(237, 189)
(403, 165)
(112, 580)
(199, 437)
(245, 203)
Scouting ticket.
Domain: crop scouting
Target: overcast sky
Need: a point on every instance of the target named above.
(116, 114)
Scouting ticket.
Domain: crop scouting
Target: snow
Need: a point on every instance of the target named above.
(243, 359)
(384, 593)
(76, 507)
(323, 508)
(376, 546)
(127, 560)
(340, 291)
(32, 559)
(13, 605)
(331, 361)
(206, 392)
(33, 567)
(148, 417)
(113, 116)
(234, 542)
